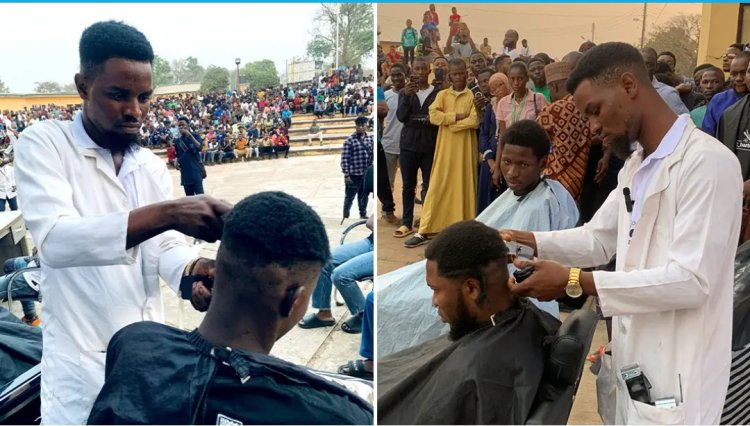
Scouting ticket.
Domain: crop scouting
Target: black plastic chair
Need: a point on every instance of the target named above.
(566, 356)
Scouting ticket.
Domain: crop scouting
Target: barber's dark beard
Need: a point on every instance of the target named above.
(119, 142)
(621, 147)
(464, 324)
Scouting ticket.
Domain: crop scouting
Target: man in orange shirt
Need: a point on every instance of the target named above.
(240, 146)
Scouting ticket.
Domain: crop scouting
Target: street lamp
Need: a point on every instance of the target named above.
(237, 61)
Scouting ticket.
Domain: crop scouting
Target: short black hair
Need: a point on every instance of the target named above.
(183, 118)
(536, 59)
(399, 65)
(737, 46)
(743, 55)
(605, 64)
(457, 62)
(500, 59)
(293, 234)
(530, 134)
(703, 67)
(668, 53)
(663, 68)
(521, 65)
(713, 68)
(485, 71)
(112, 39)
(465, 249)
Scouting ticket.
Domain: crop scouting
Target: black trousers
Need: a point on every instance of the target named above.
(411, 162)
(385, 195)
(408, 55)
(354, 187)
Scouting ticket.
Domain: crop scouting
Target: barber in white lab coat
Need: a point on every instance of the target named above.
(100, 211)
(674, 222)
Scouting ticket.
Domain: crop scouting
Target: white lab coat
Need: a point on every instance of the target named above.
(671, 295)
(77, 211)
(7, 182)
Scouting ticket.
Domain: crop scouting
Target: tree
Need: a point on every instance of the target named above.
(162, 72)
(70, 88)
(187, 70)
(261, 73)
(47, 87)
(215, 79)
(355, 33)
(679, 35)
(4, 88)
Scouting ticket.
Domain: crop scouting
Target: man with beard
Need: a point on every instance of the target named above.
(101, 212)
(722, 101)
(671, 221)
(487, 370)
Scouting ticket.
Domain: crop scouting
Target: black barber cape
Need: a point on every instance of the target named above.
(490, 376)
(156, 374)
(20, 347)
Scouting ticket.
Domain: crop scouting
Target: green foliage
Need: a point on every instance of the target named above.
(215, 79)
(187, 70)
(680, 36)
(47, 87)
(355, 33)
(4, 88)
(261, 73)
(162, 75)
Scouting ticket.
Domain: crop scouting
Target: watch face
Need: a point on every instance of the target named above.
(574, 290)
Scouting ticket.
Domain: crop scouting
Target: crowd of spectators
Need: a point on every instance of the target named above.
(244, 124)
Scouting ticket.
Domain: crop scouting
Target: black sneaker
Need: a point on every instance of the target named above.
(416, 240)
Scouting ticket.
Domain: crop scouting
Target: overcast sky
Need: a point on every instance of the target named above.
(40, 41)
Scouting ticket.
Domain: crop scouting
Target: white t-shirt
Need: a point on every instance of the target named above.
(512, 53)
(423, 94)
(391, 140)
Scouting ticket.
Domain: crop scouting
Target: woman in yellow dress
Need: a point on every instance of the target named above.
(451, 196)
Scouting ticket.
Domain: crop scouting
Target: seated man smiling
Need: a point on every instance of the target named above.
(222, 373)
(488, 369)
(531, 202)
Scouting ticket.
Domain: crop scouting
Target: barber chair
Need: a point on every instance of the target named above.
(344, 234)
(565, 358)
(19, 400)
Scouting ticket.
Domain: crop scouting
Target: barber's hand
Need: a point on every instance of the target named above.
(546, 283)
(201, 294)
(199, 216)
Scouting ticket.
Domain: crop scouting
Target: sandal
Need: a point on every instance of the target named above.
(353, 325)
(312, 321)
(416, 240)
(355, 369)
(403, 231)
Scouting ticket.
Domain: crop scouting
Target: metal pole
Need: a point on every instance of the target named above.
(593, 29)
(643, 25)
(338, 12)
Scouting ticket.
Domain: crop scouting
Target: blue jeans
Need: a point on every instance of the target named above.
(348, 263)
(366, 347)
(19, 286)
(12, 203)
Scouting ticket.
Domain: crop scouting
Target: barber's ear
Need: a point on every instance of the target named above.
(81, 86)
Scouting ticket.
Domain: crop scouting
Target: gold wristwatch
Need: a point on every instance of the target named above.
(574, 289)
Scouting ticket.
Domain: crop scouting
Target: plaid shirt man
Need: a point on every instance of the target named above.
(357, 155)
